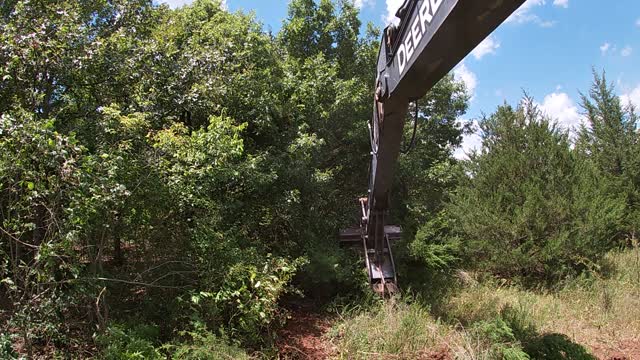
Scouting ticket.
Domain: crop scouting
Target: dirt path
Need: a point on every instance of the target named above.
(624, 350)
(303, 337)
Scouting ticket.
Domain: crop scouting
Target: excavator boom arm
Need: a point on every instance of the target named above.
(431, 38)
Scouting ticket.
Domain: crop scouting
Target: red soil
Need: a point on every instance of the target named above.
(304, 335)
(628, 349)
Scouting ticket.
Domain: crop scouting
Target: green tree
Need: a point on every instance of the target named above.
(333, 31)
(610, 132)
(610, 140)
(528, 207)
(427, 173)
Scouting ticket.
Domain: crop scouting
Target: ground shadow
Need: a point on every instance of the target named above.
(556, 347)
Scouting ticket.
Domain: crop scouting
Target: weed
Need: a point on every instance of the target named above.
(6, 348)
(488, 320)
(204, 345)
(120, 342)
(393, 329)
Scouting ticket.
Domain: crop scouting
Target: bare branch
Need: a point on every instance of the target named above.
(18, 240)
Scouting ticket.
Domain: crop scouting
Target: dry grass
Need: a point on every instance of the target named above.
(398, 330)
(601, 314)
(393, 330)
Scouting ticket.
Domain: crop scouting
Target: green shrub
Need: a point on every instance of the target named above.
(204, 345)
(500, 338)
(435, 244)
(520, 320)
(135, 343)
(39, 176)
(513, 336)
(529, 209)
(246, 302)
(332, 272)
(6, 348)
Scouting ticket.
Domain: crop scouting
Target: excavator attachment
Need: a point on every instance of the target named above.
(380, 265)
(383, 278)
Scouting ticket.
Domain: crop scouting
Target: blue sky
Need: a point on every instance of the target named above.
(547, 48)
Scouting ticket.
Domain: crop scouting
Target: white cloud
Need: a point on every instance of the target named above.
(488, 46)
(638, 22)
(462, 73)
(392, 8)
(524, 13)
(561, 3)
(561, 108)
(632, 97)
(626, 51)
(546, 23)
(178, 3)
(605, 48)
(363, 3)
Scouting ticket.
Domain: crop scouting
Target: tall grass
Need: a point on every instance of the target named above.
(484, 320)
(389, 330)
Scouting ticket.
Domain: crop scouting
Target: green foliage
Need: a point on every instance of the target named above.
(204, 345)
(610, 142)
(392, 329)
(428, 172)
(512, 335)
(499, 336)
(332, 272)
(6, 347)
(120, 342)
(434, 244)
(247, 299)
(529, 208)
(426, 175)
(190, 160)
(611, 130)
(143, 176)
(317, 28)
(39, 177)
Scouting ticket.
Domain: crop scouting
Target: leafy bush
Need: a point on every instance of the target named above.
(40, 169)
(332, 272)
(500, 338)
(245, 303)
(138, 342)
(528, 208)
(6, 347)
(204, 345)
(434, 243)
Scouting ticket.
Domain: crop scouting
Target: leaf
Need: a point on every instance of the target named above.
(30, 185)
(195, 299)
